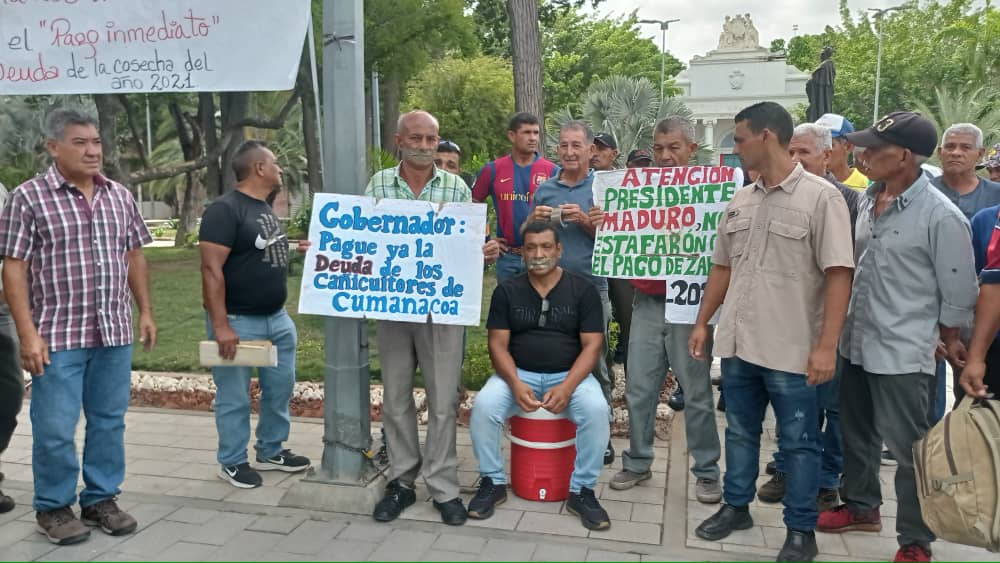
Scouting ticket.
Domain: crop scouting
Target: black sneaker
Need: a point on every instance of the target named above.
(827, 499)
(489, 495)
(584, 504)
(724, 522)
(241, 475)
(773, 490)
(6, 503)
(397, 497)
(285, 460)
(676, 400)
(609, 454)
(452, 511)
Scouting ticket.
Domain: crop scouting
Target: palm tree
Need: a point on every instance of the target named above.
(626, 107)
(964, 105)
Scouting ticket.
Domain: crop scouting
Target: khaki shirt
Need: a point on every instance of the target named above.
(778, 243)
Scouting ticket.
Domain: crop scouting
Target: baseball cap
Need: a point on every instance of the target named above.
(993, 156)
(838, 125)
(605, 139)
(907, 129)
(639, 154)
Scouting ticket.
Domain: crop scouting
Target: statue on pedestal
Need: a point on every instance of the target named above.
(738, 33)
(819, 88)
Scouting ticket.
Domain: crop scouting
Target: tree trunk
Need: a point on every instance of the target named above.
(108, 109)
(235, 106)
(206, 118)
(526, 50)
(391, 93)
(192, 200)
(310, 132)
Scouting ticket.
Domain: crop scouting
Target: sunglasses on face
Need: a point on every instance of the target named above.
(543, 316)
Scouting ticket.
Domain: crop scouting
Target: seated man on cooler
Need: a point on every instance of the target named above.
(546, 329)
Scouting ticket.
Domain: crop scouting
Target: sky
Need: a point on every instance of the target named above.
(700, 23)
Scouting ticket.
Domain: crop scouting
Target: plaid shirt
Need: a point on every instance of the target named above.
(77, 255)
(443, 186)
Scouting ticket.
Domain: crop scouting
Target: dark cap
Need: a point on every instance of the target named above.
(605, 139)
(639, 154)
(907, 129)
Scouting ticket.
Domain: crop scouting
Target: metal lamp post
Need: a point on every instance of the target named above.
(664, 25)
(879, 14)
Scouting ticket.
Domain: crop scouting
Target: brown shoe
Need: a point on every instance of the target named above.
(108, 517)
(61, 526)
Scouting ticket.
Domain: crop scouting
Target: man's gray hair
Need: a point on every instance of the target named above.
(964, 129)
(822, 135)
(57, 120)
(676, 123)
(577, 125)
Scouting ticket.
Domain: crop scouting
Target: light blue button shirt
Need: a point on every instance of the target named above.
(915, 271)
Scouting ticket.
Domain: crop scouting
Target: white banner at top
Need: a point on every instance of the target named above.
(118, 46)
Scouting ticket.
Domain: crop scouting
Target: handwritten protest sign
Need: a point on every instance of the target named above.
(660, 223)
(117, 46)
(395, 259)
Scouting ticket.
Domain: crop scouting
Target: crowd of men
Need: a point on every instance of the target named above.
(841, 291)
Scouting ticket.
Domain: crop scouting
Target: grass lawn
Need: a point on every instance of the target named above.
(176, 288)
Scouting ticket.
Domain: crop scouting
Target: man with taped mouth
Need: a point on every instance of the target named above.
(435, 348)
(545, 333)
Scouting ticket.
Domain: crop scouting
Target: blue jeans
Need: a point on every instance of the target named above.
(749, 388)
(587, 409)
(232, 395)
(99, 381)
(509, 265)
(830, 439)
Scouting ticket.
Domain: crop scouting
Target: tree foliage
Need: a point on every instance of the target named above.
(626, 107)
(472, 99)
(930, 44)
(580, 50)
(492, 22)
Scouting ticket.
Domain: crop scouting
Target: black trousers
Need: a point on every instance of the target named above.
(11, 379)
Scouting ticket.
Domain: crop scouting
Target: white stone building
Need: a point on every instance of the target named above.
(735, 75)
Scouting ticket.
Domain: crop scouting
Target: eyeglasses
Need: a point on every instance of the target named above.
(448, 146)
(542, 317)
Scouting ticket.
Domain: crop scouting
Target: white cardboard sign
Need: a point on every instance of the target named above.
(119, 46)
(394, 259)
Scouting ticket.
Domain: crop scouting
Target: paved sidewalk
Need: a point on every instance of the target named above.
(186, 513)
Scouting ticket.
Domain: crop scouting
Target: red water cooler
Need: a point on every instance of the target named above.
(542, 453)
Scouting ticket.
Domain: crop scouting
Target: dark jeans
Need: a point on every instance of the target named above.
(750, 387)
(622, 294)
(11, 379)
(830, 440)
(939, 390)
(890, 408)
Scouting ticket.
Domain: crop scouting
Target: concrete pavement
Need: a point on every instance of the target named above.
(186, 513)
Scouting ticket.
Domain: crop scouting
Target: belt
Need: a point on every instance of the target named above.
(514, 250)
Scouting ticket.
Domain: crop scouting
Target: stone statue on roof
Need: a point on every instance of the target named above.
(738, 33)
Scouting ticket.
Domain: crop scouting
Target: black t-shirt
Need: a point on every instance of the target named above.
(256, 269)
(574, 306)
